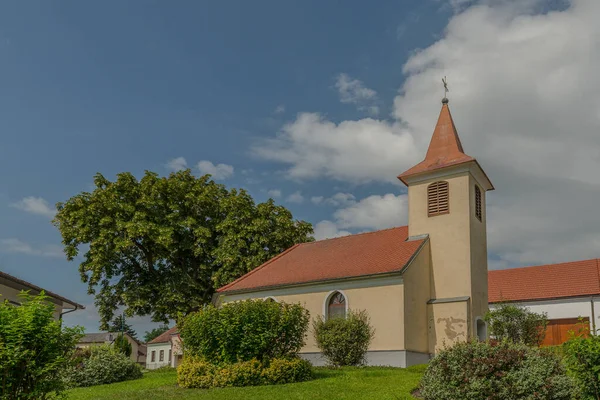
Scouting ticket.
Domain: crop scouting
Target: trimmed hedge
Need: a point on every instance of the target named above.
(245, 330)
(344, 341)
(496, 371)
(197, 373)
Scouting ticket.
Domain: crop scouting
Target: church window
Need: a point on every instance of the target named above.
(337, 306)
(438, 198)
(478, 202)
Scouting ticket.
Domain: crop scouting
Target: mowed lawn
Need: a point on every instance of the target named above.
(372, 383)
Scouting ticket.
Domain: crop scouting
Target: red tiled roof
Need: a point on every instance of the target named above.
(370, 253)
(444, 149)
(572, 279)
(164, 337)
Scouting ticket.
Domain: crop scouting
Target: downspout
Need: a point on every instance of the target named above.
(66, 312)
(593, 315)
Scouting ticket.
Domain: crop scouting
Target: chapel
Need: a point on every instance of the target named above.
(424, 286)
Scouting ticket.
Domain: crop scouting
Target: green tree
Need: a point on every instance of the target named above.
(34, 349)
(517, 324)
(162, 245)
(119, 324)
(156, 332)
(122, 344)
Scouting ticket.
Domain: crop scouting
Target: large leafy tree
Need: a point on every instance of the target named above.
(162, 245)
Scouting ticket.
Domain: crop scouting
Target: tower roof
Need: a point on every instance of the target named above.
(444, 149)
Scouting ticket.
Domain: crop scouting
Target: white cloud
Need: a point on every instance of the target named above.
(280, 109)
(327, 230)
(295, 198)
(353, 91)
(218, 171)
(13, 245)
(35, 205)
(524, 97)
(341, 199)
(356, 151)
(317, 199)
(274, 193)
(177, 164)
(374, 212)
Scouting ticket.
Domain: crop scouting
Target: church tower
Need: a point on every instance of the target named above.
(446, 198)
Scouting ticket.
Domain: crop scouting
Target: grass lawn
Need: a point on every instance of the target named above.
(372, 383)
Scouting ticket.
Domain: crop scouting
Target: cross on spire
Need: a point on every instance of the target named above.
(446, 90)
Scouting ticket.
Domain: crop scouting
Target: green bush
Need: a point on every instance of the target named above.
(34, 349)
(344, 341)
(496, 371)
(196, 373)
(105, 364)
(516, 324)
(283, 370)
(245, 330)
(582, 357)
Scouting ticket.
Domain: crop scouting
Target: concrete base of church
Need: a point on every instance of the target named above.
(383, 358)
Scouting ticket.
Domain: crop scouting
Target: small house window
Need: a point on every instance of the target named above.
(170, 355)
(337, 306)
(438, 198)
(478, 202)
(153, 358)
(161, 356)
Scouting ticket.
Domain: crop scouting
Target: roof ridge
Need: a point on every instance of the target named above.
(546, 265)
(355, 234)
(241, 278)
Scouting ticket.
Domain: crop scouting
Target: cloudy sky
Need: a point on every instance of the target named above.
(316, 104)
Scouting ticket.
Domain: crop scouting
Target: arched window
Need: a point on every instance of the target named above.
(478, 202)
(481, 330)
(336, 308)
(438, 196)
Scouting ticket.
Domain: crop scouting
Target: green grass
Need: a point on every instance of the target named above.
(372, 383)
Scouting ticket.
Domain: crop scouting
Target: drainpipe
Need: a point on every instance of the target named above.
(593, 315)
(66, 312)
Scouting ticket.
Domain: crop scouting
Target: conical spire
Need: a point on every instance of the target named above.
(444, 149)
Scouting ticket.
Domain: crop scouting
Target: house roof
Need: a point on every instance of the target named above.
(571, 279)
(445, 148)
(21, 283)
(372, 253)
(102, 337)
(164, 337)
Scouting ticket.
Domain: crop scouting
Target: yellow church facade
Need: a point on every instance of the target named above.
(423, 286)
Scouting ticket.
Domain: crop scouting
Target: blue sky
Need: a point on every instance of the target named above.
(282, 94)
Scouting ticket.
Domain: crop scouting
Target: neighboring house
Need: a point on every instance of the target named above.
(138, 350)
(424, 285)
(164, 350)
(569, 293)
(11, 286)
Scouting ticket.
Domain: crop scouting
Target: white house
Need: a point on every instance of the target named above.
(11, 286)
(165, 350)
(569, 293)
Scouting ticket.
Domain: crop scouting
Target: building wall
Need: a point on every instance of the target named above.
(382, 298)
(416, 295)
(157, 348)
(566, 308)
(7, 292)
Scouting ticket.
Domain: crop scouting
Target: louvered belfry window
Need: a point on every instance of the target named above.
(438, 198)
(478, 202)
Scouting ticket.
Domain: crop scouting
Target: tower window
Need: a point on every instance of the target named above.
(438, 195)
(478, 202)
